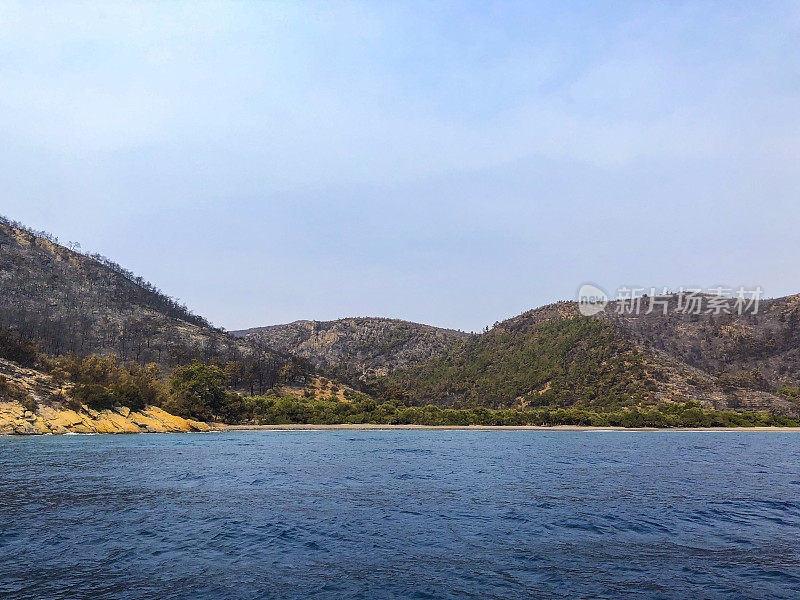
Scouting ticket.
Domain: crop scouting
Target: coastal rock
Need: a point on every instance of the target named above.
(113, 422)
(199, 425)
(66, 418)
(25, 428)
(14, 419)
(146, 423)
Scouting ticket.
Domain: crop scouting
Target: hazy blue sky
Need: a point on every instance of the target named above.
(451, 163)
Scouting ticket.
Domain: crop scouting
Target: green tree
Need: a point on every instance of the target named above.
(197, 391)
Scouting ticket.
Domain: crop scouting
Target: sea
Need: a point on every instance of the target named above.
(401, 514)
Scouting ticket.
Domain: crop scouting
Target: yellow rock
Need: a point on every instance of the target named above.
(167, 421)
(54, 419)
(146, 423)
(66, 418)
(81, 429)
(25, 428)
(42, 425)
(121, 424)
(101, 425)
(198, 425)
(11, 417)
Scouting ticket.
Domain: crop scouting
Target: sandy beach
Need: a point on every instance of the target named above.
(371, 426)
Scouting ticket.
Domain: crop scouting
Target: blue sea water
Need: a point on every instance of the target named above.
(401, 514)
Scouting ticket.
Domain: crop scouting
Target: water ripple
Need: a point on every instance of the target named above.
(401, 514)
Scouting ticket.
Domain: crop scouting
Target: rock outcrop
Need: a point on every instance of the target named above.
(16, 419)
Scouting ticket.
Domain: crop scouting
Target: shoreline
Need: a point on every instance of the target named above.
(377, 427)
(218, 428)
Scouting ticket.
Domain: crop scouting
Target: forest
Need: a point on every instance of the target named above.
(203, 391)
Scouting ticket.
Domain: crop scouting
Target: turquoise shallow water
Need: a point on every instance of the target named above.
(401, 514)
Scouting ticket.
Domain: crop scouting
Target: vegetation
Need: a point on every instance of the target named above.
(17, 348)
(101, 382)
(197, 391)
(201, 391)
(565, 362)
(274, 410)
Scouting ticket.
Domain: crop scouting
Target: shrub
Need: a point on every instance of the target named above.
(102, 383)
(290, 409)
(28, 402)
(11, 391)
(93, 395)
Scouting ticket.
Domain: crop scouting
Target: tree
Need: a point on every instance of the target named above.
(197, 391)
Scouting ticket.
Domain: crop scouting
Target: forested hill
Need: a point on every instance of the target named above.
(71, 302)
(357, 348)
(554, 357)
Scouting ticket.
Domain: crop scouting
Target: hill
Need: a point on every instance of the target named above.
(67, 301)
(554, 357)
(545, 357)
(71, 302)
(356, 349)
(724, 344)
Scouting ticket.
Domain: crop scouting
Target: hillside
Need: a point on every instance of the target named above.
(71, 302)
(541, 358)
(731, 344)
(33, 402)
(554, 357)
(360, 348)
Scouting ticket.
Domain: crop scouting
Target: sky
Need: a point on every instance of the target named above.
(453, 163)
